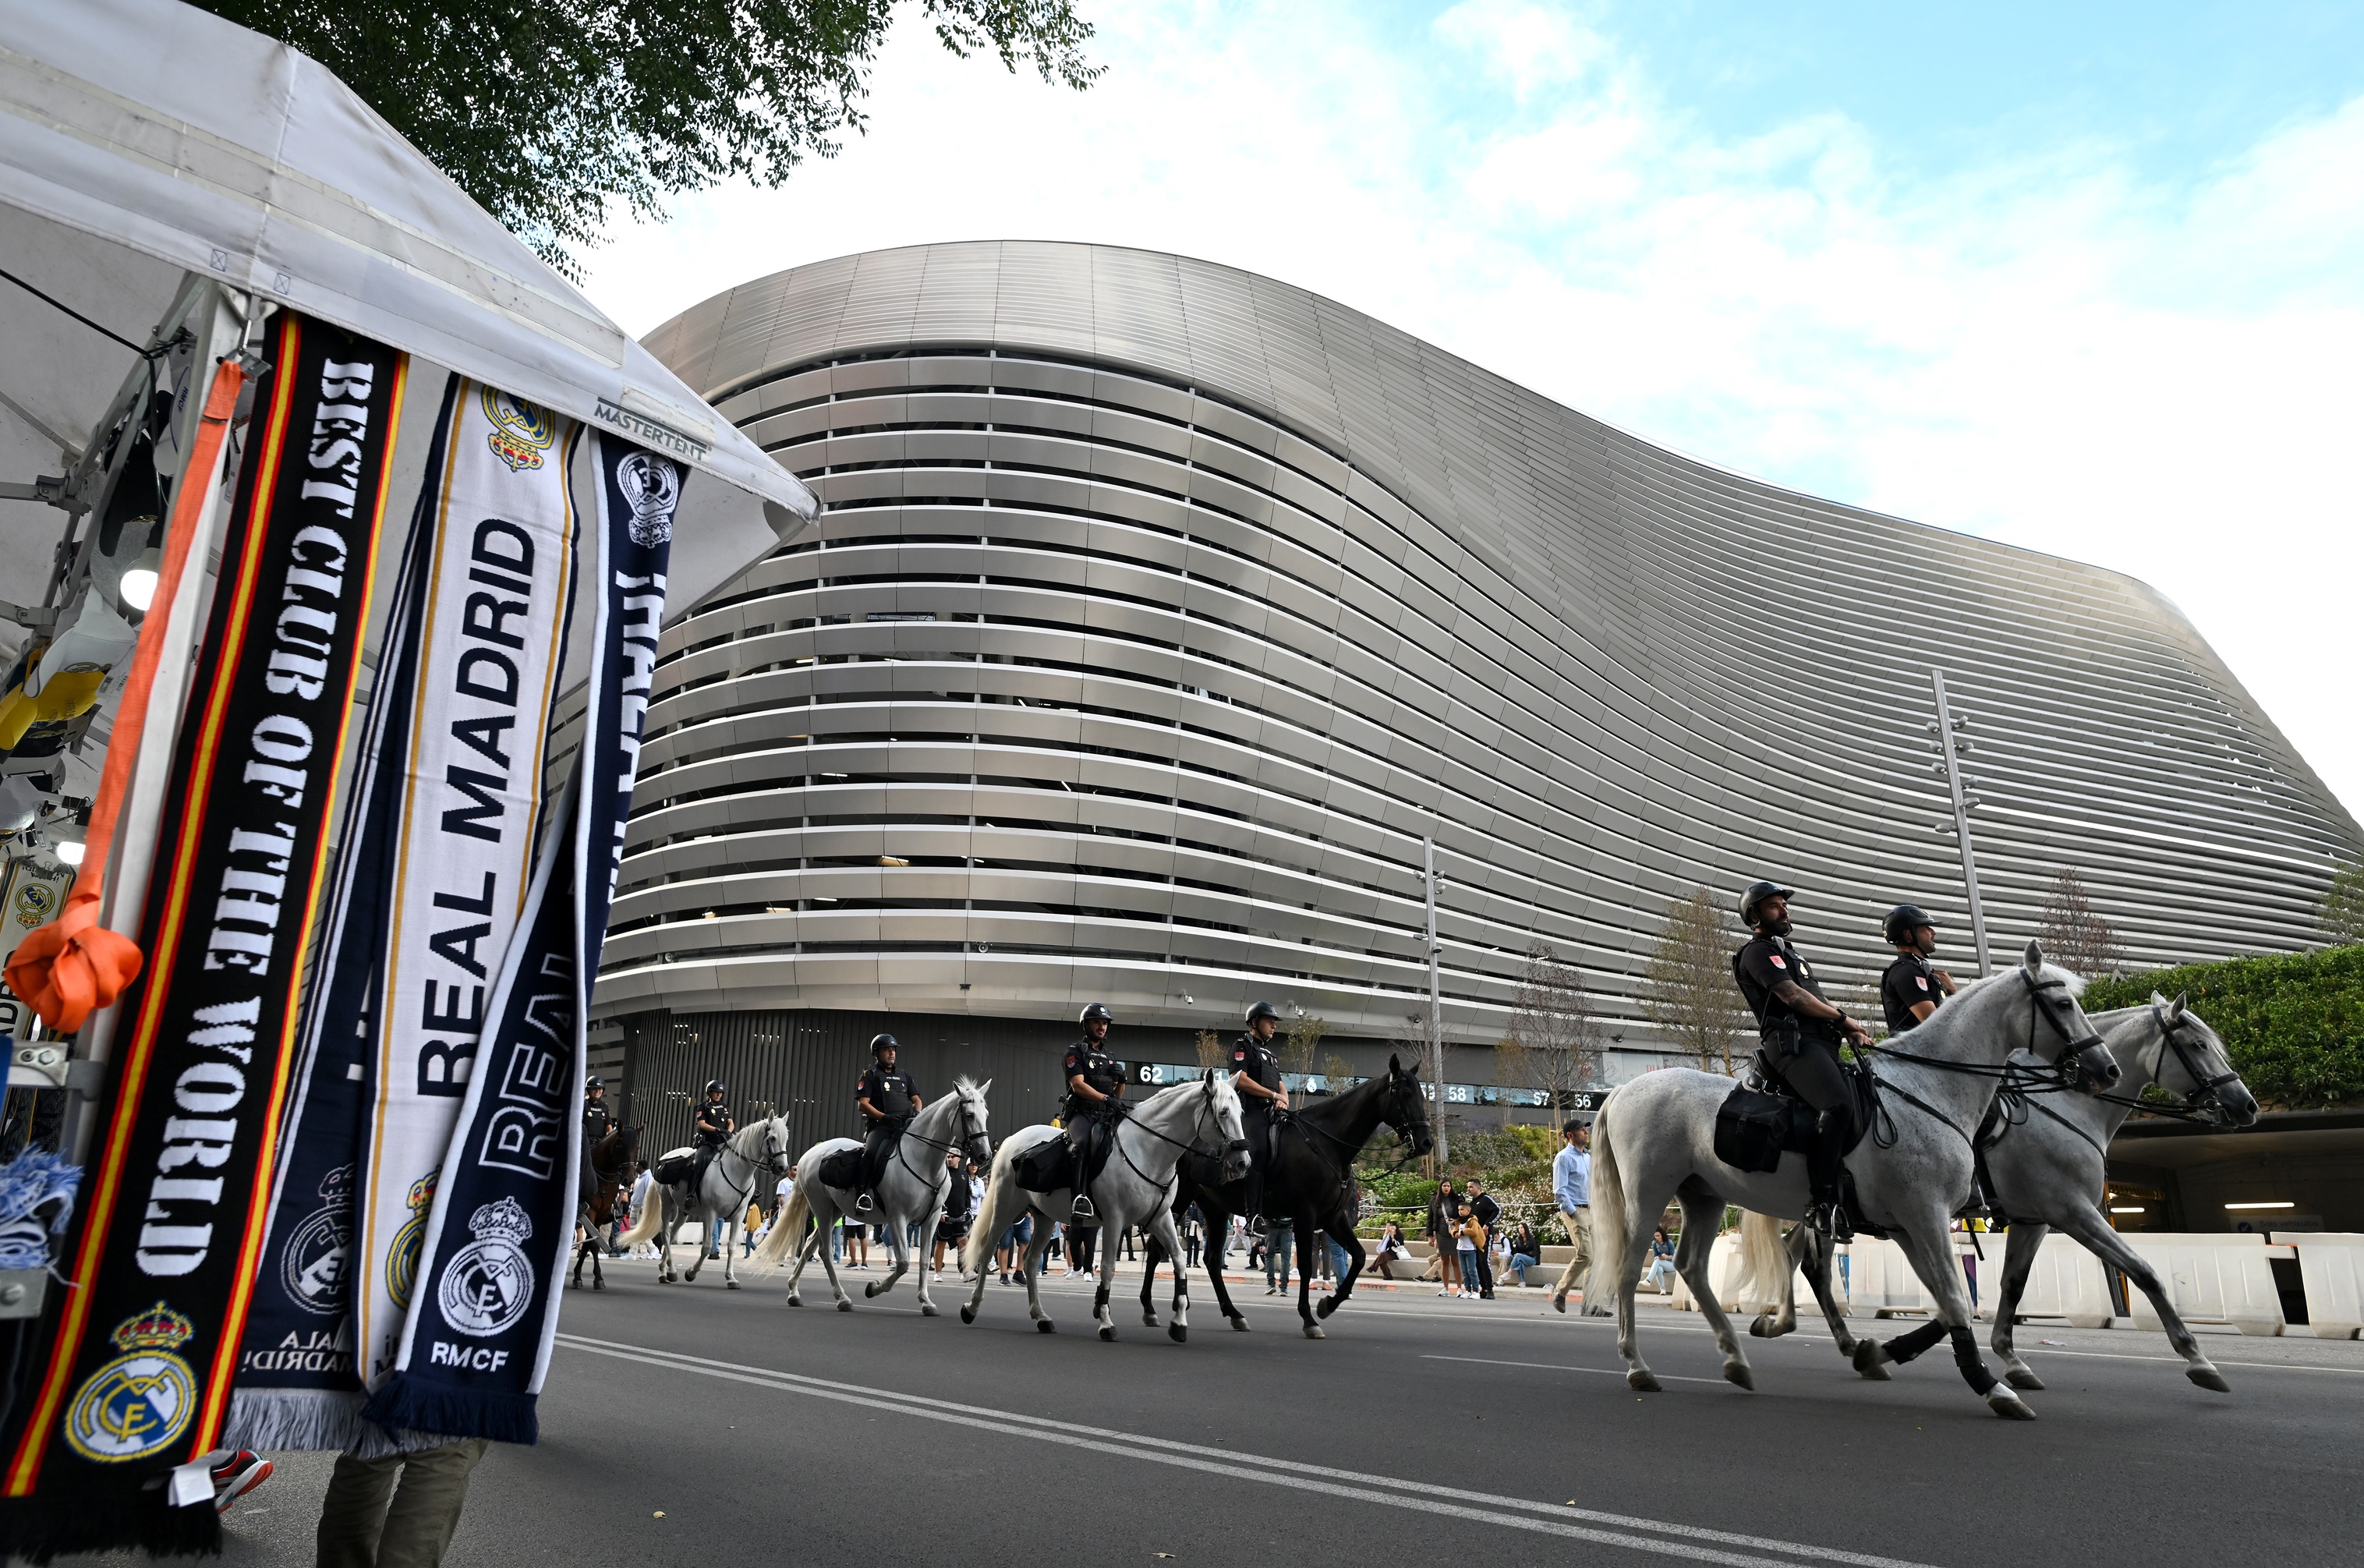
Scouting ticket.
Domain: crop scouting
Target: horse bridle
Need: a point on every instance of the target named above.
(1206, 1105)
(972, 1136)
(2073, 1046)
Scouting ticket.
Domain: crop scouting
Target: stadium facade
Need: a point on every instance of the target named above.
(1160, 611)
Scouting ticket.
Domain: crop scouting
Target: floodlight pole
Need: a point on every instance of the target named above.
(1946, 726)
(1435, 998)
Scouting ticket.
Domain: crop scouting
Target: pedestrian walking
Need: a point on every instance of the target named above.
(397, 1511)
(1572, 1190)
(1279, 1249)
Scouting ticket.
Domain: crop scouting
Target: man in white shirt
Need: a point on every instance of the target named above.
(1572, 1189)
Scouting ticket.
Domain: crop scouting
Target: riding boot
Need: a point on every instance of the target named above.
(1823, 1169)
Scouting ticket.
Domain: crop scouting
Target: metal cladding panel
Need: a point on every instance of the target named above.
(1160, 609)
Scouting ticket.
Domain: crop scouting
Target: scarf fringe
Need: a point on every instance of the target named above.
(407, 1401)
(275, 1420)
(39, 1529)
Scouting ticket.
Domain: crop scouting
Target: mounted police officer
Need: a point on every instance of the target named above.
(1256, 1074)
(598, 1121)
(1914, 987)
(711, 1129)
(1094, 1100)
(1801, 1032)
(887, 1100)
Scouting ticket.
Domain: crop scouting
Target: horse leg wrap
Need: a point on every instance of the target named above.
(1966, 1356)
(1905, 1347)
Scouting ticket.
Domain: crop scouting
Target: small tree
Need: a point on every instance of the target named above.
(2074, 935)
(1337, 1070)
(1304, 1038)
(1212, 1051)
(1554, 1043)
(1689, 988)
(2343, 907)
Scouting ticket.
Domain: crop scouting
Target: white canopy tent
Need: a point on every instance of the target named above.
(167, 176)
(150, 127)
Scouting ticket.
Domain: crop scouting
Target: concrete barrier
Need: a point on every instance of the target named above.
(2065, 1282)
(2219, 1277)
(2331, 1262)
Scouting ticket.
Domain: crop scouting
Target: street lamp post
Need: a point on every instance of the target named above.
(1435, 999)
(1958, 785)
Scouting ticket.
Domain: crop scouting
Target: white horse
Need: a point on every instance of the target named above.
(1134, 1187)
(1655, 1141)
(755, 1157)
(912, 1190)
(2046, 1161)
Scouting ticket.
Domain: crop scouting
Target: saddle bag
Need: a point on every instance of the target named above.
(675, 1168)
(1752, 1130)
(841, 1170)
(1043, 1168)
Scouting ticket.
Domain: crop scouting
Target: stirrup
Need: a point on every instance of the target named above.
(1257, 1225)
(1082, 1209)
(862, 1202)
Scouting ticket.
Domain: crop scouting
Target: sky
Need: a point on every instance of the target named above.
(2088, 278)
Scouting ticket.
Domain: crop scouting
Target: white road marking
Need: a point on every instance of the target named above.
(1557, 1366)
(1420, 1497)
(2123, 1356)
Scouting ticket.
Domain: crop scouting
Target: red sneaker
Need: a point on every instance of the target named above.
(236, 1477)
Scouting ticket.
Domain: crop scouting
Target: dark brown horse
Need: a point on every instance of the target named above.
(603, 1178)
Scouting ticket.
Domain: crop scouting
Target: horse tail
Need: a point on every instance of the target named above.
(1613, 1228)
(648, 1222)
(788, 1230)
(1000, 1186)
(1765, 1262)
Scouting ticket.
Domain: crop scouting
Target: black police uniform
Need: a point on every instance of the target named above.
(1090, 1122)
(708, 1143)
(892, 1093)
(1262, 1064)
(1908, 981)
(1804, 1052)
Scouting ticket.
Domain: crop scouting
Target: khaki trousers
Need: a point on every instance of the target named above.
(367, 1522)
(1580, 1268)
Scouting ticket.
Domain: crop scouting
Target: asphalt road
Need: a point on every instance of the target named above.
(687, 1425)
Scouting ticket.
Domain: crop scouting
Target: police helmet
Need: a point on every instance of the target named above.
(717, 1087)
(1758, 891)
(1262, 1010)
(880, 1043)
(1097, 1012)
(1903, 922)
(594, 1081)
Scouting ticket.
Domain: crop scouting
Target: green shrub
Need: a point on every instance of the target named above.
(2293, 1022)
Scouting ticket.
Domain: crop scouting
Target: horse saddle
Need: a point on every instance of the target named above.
(843, 1170)
(677, 1166)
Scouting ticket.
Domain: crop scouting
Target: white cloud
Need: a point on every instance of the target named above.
(2050, 351)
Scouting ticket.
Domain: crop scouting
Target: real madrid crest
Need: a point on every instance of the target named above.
(35, 902)
(652, 487)
(143, 1399)
(489, 1284)
(402, 1256)
(312, 1264)
(521, 433)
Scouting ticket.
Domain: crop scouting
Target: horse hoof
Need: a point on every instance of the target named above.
(1238, 1324)
(1107, 1333)
(1149, 1320)
(1762, 1327)
(2208, 1377)
(1870, 1359)
(1873, 1373)
(928, 1309)
(1642, 1382)
(2026, 1380)
(1177, 1332)
(1314, 1332)
(1326, 1306)
(870, 1290)
(730, 1285)
(1738, 1373)
(1044, 1326)
(2009, 1406)
(795, 1300)
(968, 1313)
(598, 1284)
(844, 1305)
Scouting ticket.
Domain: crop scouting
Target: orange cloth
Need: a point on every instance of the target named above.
(72, 966)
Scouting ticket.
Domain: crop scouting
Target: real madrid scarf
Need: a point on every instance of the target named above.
(141, 1349)
(437, 850)
(477, 1342)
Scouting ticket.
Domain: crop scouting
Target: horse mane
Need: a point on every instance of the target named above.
(2050, 971)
